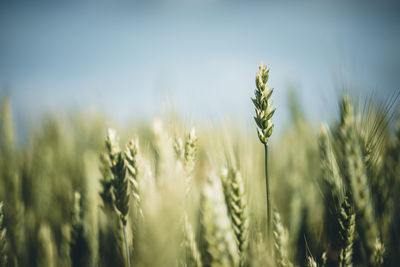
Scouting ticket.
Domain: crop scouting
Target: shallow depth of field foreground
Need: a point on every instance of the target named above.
(164, 193)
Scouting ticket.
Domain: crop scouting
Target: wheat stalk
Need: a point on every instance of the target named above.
(264, 113)
(281, 241)
(217, 236)
(131, 152)
(355, 175)
(120, 182)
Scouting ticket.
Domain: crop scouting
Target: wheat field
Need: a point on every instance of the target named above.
(164, 193)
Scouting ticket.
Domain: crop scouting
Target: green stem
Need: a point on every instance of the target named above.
(126, 245)
(268, 195)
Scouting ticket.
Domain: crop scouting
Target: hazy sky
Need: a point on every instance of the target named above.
(131, 58)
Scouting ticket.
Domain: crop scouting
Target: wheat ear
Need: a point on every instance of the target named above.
(355, 175)
(281, 241)
(217, 236)
(264, 113)
(131, 152)
(237, 206)
(346, 232)
(189, 158)
(120, 182)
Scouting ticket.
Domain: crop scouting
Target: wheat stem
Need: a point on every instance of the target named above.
(269, 216)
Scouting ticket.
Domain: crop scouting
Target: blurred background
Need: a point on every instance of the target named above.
(134, 59)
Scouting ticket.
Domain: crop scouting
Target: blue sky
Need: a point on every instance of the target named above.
(132, 59)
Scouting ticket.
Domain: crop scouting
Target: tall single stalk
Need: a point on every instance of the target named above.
(269, 218)
(264, 113)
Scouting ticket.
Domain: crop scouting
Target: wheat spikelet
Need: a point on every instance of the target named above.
(118, 170)
(355, 175)
(281, 241)
(3, 239)
(237, 208)
(217, 236)
(346, 232)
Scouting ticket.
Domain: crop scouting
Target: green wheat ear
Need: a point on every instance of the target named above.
(263, 105)
(346, 232)
(120, 179)
(355, 175)
(3, 239)
(217, 236)
(237, 207)
(120, 182)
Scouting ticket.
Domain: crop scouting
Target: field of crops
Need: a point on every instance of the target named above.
(166, 194)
